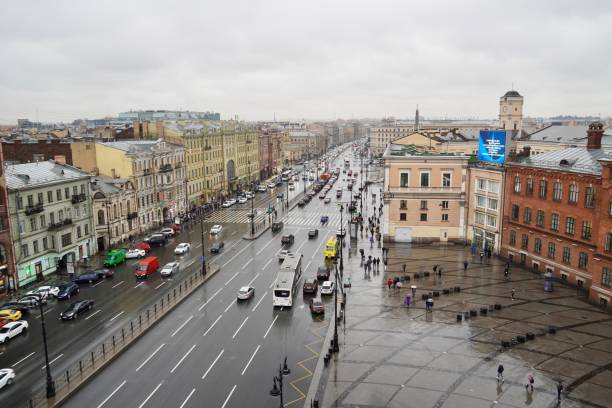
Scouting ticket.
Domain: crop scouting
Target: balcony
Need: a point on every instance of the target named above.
(60, 224)
(165, 168)
(132, 215)
(78, 198)
(146, 171)
(34, 209)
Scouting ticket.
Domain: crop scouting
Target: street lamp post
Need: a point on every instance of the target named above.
(252, 203)
(303, 180)
(203, 250)
(342, 232)
(336, 346)
(50, 382)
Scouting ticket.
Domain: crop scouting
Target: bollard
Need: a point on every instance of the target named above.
(92, 358)
(155, 308)
(113, 341)
(168, 298)
(139, 320)
(122, 334)
(132, 326)
(180, 288)
(174, 290)
(68, 376)
(103, 349)
(147, 314)
(162, 303)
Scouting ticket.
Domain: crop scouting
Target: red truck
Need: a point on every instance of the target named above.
(324, 177)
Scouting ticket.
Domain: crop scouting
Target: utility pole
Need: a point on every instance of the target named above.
(50, 382)
(203, 250)
(252, 203)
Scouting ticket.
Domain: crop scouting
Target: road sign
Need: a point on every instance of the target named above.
(202, 258)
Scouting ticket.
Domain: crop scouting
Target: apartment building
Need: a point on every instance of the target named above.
(8, 279)
(485, 206)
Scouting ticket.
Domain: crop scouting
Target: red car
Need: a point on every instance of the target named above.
(310, 286)
(316, 306)
(3, 322)
(144, 246)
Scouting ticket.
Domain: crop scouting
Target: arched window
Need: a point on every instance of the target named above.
(100, 217)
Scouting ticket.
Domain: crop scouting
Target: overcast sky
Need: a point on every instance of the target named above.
(62, 60)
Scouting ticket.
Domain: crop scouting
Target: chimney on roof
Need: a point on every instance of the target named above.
(594, 135)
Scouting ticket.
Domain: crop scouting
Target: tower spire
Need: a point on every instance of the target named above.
(416, 119)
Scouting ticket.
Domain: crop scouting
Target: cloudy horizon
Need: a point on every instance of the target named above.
(319, 59)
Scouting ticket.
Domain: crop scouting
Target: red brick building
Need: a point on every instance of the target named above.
(7, 261)
(270, 151)
(30, 151)
(558, 215)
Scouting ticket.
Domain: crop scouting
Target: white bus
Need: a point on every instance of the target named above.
(287, 281)
(286, 175)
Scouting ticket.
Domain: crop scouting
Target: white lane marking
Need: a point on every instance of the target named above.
(23, 359)
(211, 326)
(211, 298)
(52, 361)
(183, 358)
(181, 326)
(160, 285)
(233, 233)
(198, 245)
(96, 284)
(150, 357)
(264, 295)
(138, 285)
(238, 329)
(267, 263)
(251, 281)
(213, 364)
(307, 265)
(247, 263)
(318, 249)
(264, 247)
(93, 314)
(117, 284)
(250, 360)
(228, 306)
(117, 315)
(150, 395)
(45, 312)
(300, 247)
(231, 279)
(187, 399)
(228, 397)
(273, 282)
(190, 263)
(269, 328)
(234, 257)
(112, 393)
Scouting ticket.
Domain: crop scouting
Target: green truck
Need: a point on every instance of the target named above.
(115, 257)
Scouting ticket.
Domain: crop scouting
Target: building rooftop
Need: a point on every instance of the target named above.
(567, 135)
(30, 175)
(399, 150)
(573, 159)
(136, 146)
(512, 93)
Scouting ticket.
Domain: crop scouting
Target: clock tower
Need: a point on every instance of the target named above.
(511, 111)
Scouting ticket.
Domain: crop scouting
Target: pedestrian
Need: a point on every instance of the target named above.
(404, 268)
(481, 256)
(530, 382)
(389, 283)
(465, 265)
(398, 287)
(440, 272)
(506, 273)
(371, 241)
(500, 373)
(435, 267)
(512, 294)
(429, 304)
(559, 391)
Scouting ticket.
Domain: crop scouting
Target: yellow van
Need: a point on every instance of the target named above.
(331, 247)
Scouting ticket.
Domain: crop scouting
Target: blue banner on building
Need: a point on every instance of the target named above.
(492, 146)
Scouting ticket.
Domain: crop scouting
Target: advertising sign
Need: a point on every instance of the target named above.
(492, 146)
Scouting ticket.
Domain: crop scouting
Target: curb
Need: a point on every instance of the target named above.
(258, 234)
(315, 388)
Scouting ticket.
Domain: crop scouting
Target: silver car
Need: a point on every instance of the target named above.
(245, 292)
(169, 269)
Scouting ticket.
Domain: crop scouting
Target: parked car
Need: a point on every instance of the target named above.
(310, 286)
(15, 306)
(67, 290)
(169, 269)
(104, 273)
(316, 306)
(31, 301)
(168, 232)
(301, 203)
(76, 308)
(283, 254)
(341, 232)
(147, 267)
(271, 185)
(323, 273)
(182, 248)
(136, 253)
(262, 189)
(9, 314)
(280, 195)
(144, 246)
(277, 226)
(89, 277)
(115, 257)
(12, 329)
(45, 291)
(287, 240)
(217, 247)
(7, 377)
(157, 240)
(328, 288)
(327, 200)
(321, 196)
(242, 200)
(313, 233)
(245, 292)
(216, 229)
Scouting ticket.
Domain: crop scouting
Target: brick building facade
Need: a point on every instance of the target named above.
(557, 215)
(40, 150)
(7, 259)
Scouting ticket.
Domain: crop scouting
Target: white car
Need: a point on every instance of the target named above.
(327, 200)
(45, 291)
(216, 229)
(271, 186)
(169, 269)
(12, 329)
(248, 195)
(327, 288)
(242, 200)
(226, 204)
(232, 200)
(283, 254)
(135, 253)
(262, 189)
(7, 377)
(182, 248)
(291, 187)
(169, 232)
(245, 292)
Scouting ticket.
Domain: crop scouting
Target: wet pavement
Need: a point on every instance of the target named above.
(397, 356)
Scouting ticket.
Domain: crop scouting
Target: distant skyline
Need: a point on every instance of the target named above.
(65, 60)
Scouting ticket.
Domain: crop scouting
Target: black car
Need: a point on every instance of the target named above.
(216, 247)
(76, 308)
(157, 240)
(323, 273)
(287, 240)
(301, 203)
(67, 290)
(313, 233)
(88, 277)
(277, 226)
(310, 286)
(23, 308)
(103, 273)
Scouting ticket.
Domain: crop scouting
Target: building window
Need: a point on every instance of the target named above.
(423, 204)
(25, 251)
(517, 184)
(529, 186)
(491, 221)
(58, 194)
(554, 222)
(540, 218)
(35, 246)
(513, 238)
(45, 243)
(50, 196)
(43, 221)
(537, 246)
(527, 215)
(423, 216)
(446, 179)
(583, 260)
(481, 201)
(525, 241)
(551, 250)
(403, 204)
(493, 186)
(78, 231)
(586, 230)
(609, 242)
(20, 203)
(543, 189)
(66, 239)
(444, 205)
(67, 193)
(573, 194)
(610, 208)
(570, 225)
(606, 276)
(566, 254)
(557, 191)
(481, 184)
(492, 204)
(589, 197)
(479, 218)
(33, 226)
(424, 179)
(515, 212)
(444, 217)
(402, 216)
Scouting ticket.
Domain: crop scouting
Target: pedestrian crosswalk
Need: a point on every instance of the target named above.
(311, 219)
(237, 215)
